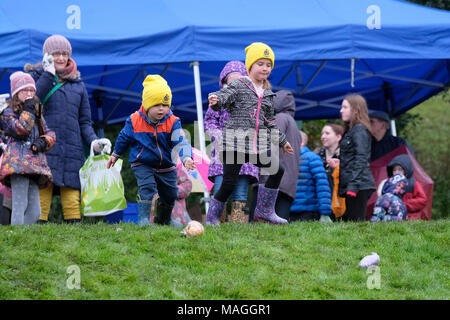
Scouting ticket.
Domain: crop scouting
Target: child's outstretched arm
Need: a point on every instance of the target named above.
(213, 100)
(224, 98)
(189, 164)
(123, 141)
(182, 145)
(112, 161)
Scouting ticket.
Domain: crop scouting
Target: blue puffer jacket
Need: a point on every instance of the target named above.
(67, 113)
(150, 143)
(313, 190)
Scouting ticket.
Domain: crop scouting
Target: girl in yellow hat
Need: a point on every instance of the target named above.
(248, 134)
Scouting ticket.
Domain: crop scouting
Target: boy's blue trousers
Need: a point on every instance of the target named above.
(151, 181)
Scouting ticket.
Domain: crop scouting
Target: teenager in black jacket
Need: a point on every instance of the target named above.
(356, 182)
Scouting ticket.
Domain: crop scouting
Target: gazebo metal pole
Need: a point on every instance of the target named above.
(201, 128)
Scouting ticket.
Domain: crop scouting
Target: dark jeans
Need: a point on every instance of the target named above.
(150, 181)
(233, 167)
(282, 205)
(356, 207)
(240, 192)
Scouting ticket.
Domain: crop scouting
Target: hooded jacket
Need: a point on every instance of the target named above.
(284, 105)
(152, 143)
(415, 198)
(313, 191)
(67, 113)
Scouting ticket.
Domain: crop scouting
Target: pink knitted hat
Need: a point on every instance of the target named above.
(19, 81)
(57, 43)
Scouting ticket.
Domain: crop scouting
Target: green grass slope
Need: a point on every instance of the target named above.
(253, 261)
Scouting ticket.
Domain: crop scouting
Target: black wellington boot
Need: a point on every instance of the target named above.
(163, 213)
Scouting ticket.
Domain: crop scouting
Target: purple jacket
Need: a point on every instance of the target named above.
(214, 122)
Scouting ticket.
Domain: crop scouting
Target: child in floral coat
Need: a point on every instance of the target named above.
(390, 205)
(25, 138)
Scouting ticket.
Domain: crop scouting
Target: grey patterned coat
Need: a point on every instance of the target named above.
(251, 127)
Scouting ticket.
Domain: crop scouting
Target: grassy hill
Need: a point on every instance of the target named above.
(256, 261)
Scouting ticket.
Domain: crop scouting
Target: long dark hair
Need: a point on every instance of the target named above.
(360, 113)
(17, 105)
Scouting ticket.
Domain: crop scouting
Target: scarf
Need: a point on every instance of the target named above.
(70, 71)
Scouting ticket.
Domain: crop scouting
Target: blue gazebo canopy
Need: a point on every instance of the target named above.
(393, 52)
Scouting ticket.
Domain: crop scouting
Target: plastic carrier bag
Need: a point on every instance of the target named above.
(102, 189)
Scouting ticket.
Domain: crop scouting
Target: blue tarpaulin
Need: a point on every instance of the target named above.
(393, 52)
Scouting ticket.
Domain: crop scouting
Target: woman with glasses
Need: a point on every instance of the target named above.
(67, 111)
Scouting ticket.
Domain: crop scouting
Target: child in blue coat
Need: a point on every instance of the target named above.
(151, 133)
(313, 198)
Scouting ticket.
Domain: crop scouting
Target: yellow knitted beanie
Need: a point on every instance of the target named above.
(156, 91)
(256, 51)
